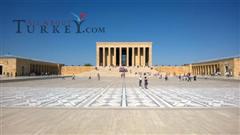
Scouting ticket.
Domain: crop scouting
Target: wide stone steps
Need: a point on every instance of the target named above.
(114, 71)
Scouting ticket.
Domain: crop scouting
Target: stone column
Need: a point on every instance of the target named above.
(205, 69)
(214, 68)
(114, 57)
(133, 57)
(127, 55)
(109, 57)
(209, 70)
(120, 56)
(139, 57)
(193, 70)
(199, 70)
(150, 56)
(103, 56)
(196, 70)
(97, 56)
(144, 56)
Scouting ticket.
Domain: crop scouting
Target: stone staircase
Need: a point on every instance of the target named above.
(114, 71)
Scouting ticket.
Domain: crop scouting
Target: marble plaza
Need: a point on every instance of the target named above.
(120, 93)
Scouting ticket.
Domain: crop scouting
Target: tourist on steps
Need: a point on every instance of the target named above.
(140, 81)
(145, 82)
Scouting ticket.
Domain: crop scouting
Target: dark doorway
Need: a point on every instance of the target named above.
(101, 57)
(1, 69)
(124, 57)
(130, 57)
(22, 70)
(117, 57)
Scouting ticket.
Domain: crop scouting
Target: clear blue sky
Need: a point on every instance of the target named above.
(181, 32)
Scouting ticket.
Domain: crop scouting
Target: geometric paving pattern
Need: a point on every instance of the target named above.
(138, 97)
(168, 96)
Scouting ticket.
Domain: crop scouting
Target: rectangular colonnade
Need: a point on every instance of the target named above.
(206, 69)
(123, 55)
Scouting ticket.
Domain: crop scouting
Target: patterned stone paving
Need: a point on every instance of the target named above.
(119, 93)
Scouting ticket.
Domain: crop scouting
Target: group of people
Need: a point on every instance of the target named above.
(145, 81)
(90, 77)
(165, 77)
(187, 77)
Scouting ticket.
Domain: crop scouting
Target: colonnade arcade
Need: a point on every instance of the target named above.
(205, 69)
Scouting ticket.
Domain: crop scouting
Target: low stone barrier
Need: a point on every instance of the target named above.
(27, 78)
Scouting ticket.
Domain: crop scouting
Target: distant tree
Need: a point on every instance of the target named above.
(88, 64)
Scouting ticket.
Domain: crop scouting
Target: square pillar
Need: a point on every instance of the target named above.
(144, 56)
(120, 56)
(139, 57)
(127, 55)
(150, 56)
(97, 56)
(109, 56)
(114, 57)
(206, 71)
(198, 70)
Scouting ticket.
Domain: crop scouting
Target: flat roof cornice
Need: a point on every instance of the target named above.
(216, 59)
(30, 59)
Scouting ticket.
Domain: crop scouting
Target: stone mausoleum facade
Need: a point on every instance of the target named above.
(124, 54)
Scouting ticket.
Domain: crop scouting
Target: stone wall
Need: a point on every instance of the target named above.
(69, 70)
(8, 66)
(173, 70)
(236, 67)
(13, 66)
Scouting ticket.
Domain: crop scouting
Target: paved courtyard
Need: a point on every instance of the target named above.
(117, 92)
(114, 106)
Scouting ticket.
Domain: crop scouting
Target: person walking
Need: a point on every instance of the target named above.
(98, 75)
(145, 82)
(140, 81)
(166, 77)
(179, 78)
(195, 78)
(73, 76)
